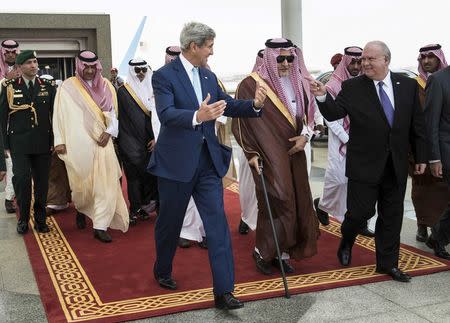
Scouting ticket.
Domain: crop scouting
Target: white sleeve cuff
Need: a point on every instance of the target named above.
(194, 120)
(321, 98)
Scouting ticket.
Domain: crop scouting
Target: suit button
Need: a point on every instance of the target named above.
(32, 126)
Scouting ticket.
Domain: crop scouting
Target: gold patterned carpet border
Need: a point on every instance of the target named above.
(80, 301)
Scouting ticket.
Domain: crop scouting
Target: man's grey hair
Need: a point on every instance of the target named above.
(195, 32)
(384, 48)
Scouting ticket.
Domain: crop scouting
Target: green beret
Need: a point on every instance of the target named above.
(24, 56)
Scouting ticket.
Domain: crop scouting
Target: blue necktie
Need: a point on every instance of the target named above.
(196, 84)
(387, 105)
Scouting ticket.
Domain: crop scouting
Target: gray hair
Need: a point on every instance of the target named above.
(195, 32)
(384, 48)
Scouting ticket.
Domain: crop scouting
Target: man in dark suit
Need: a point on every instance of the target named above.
(437, 112)
(189, 161)
(385, 115)
(26, 106)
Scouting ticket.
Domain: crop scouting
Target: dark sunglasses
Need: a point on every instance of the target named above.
(139, 69)
(281, 58)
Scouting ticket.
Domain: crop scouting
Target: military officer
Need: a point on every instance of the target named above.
(26, 106)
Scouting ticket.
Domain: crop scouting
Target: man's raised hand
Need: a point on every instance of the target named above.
(212, 111)
(317, 88)
(260, 96)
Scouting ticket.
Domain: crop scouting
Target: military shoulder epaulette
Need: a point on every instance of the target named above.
(45, 81)
(6, 82)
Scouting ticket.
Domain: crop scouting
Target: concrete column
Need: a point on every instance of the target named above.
(291, 20)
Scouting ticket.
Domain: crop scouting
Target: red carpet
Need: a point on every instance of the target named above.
(82, 279)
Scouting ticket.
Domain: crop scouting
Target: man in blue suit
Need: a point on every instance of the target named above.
(189, 160)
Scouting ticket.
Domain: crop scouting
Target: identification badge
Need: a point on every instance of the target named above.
(43, 93)
(18, 95)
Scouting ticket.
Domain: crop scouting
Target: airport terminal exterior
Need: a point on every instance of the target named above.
(57, 38)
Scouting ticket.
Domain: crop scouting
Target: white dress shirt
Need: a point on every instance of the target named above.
(387, 87)
(188, 68)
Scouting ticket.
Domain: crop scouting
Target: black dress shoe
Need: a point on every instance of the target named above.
(422, 233)
(344, 253)
(102, 235)
(42, 228)
(22, 227)
(323, 217)
(366, 232)
(227, 302)
(167, 283)
(439, 249)
(183, 243)
(9, 206)
(262, 265)
(81, 220)
(143, 215)
(203, 244)
(396, 274)
(133, 218)
(243, 227)
(288, 269)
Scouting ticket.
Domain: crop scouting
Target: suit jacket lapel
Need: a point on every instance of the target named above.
(185, 81)
(203, 83)
(372, 92)
(396, 88)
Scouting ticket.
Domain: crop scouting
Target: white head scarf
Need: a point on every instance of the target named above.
(144, 89)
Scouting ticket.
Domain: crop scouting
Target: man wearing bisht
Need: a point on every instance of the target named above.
(84, 122)
(136, 138)
(278, 138)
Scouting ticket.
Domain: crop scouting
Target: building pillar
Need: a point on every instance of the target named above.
(291, 20)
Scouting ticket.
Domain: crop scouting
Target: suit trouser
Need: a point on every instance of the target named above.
(207, 191)
(441, 230)
(389, 197)
(25, 167)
